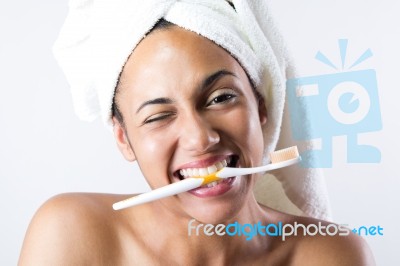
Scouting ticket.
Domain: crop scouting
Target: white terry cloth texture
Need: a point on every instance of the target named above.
(99, 35)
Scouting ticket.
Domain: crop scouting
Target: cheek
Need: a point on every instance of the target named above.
(153, 155)
(145, 146)
(247, 122)
(245, 129)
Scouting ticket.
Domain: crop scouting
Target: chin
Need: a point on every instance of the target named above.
(217, 211)
(214, 217)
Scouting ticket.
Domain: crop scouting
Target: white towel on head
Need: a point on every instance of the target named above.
(99, 35)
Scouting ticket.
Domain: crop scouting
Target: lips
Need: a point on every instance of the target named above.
(221, 187)
(207, 167)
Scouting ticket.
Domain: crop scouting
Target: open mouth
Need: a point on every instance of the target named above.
(230, 161)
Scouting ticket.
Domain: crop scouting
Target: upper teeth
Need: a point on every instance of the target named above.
(188, 172)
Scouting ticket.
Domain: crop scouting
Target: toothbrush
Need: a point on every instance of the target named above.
(279, 159)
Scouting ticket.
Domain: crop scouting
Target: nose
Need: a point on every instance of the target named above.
(197, 134)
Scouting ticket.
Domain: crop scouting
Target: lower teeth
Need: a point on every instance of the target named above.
(212, 184)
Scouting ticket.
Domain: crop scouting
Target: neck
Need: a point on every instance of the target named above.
(192, 240)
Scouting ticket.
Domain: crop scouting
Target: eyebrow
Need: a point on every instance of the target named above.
(204, 85)
(154, 101)
(214, 77)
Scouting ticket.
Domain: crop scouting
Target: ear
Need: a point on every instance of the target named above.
(122, 141)
(262, 111)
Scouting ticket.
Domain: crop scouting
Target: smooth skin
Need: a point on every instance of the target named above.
(183, 100)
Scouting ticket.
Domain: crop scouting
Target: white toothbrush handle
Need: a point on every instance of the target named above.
(162, 192)
(229, 171)
(191, 183)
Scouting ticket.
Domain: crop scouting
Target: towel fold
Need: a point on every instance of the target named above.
(99, 35)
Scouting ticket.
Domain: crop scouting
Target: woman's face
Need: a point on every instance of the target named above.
(189, 108)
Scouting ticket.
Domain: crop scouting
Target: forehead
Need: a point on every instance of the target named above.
(175, 56)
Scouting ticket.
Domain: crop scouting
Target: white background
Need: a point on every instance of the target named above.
(46, 150)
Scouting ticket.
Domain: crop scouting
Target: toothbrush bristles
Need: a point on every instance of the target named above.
(284, 154)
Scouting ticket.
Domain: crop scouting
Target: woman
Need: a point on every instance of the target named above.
(182, 104)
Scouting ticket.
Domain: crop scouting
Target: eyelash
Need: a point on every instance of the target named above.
(227, 97)
(157, 117)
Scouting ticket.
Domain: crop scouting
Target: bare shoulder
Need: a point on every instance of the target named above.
(333, 245)
(72, 229)
(312, 242)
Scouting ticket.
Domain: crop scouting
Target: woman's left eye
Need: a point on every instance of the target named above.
(221, 97)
